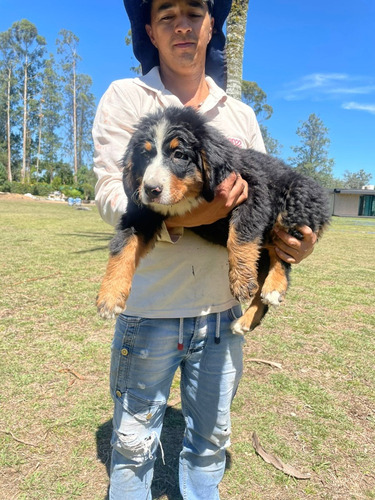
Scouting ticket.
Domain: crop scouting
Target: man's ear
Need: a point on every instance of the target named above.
(149, 32)
(211, 29)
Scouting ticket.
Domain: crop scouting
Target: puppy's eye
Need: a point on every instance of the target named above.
(179, 155)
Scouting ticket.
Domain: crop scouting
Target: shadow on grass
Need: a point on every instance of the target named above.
(165, 482)
(95, 237)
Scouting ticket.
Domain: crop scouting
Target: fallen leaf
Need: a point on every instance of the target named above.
(276, 462)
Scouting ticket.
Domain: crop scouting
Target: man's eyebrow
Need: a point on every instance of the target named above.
(192, 3)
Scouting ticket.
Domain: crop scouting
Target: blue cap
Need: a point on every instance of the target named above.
(139, 11)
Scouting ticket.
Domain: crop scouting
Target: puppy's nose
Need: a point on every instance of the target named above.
(153, 191)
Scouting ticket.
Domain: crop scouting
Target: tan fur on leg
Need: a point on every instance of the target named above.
(243, 258)
(116, 284)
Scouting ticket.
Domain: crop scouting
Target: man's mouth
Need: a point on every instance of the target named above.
(185, 44)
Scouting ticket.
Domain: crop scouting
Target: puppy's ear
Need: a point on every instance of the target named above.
(208, 190)
(128, 177)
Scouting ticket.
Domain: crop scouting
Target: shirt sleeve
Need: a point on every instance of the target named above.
(112, 129)
(255, 134)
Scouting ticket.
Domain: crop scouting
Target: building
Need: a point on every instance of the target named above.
(353, 202)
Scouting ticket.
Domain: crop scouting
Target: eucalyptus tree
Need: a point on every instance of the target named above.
(67, 47)
(30, 49)
(7, 65)
(49, 141)
(236, 30)
(85, 116)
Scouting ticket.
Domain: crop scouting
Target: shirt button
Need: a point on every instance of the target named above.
(118, 394)
(124, 352)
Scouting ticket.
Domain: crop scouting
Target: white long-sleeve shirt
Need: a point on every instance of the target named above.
(187, 277)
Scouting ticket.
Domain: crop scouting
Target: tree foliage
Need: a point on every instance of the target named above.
(46, 106)
(356, 180)
(312, 154)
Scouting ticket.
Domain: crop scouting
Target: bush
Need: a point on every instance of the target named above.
(71, 192)
(37, 189)
(6, 187)
(41, 189)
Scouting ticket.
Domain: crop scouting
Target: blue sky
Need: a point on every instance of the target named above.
(309, 56)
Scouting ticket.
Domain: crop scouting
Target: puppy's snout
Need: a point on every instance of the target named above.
(153, 191)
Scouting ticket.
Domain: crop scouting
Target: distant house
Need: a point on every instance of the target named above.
(353, 202)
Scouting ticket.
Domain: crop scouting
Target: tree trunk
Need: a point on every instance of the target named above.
(75, 122)
(9, 164)
(24, 148)
(39, 140)
(236, 29)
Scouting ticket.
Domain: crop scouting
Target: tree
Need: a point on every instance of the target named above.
(236, 29)
(49, 142)
(85, 117)
(312, 155)
(7, 51)
(67, 46)
(356, 180)
(30, 48)
(255, 97)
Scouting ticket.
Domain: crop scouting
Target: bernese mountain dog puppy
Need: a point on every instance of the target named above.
(173, 161)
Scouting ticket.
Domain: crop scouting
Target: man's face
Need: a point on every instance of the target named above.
(181, 31)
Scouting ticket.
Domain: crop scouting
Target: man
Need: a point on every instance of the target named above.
(180, 293)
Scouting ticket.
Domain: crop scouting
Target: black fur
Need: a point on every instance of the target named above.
(277, 193)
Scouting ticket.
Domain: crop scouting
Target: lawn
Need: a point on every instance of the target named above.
(316, 412)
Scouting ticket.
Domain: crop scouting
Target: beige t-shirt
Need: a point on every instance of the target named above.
(187, 277)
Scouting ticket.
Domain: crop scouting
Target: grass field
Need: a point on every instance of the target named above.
(316, 412)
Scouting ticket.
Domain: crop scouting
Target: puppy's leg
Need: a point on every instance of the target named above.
(253, 316)
(116, 284)
(276, 283)
(243, 257)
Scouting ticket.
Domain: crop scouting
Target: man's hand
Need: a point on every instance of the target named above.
(228, 195)
(291, 250)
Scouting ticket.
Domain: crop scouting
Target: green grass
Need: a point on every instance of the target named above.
(317, 413)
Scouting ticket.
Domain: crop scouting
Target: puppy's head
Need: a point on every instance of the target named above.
(163, 165)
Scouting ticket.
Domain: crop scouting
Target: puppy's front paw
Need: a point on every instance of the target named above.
(110, 306)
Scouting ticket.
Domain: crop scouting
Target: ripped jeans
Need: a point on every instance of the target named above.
(144, 360)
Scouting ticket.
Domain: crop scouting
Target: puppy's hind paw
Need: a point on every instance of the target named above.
(273, 298)
(240, 327)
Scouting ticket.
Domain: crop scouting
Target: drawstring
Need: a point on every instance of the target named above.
(180, 344)
(217, 333)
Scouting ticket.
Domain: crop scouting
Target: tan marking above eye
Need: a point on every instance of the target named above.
(148, 146)
(174, 143)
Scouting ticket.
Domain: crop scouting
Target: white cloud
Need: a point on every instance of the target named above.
(370, 108)
(318, 86)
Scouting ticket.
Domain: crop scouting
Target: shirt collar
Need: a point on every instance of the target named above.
(152, 82)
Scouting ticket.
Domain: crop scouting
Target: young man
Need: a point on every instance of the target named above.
(180, 293)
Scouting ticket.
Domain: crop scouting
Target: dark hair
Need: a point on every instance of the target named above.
(139, 12)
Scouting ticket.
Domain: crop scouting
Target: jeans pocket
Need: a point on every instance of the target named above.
(142, 410)
(234, 312)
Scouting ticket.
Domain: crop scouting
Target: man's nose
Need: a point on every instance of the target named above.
(183, 25)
